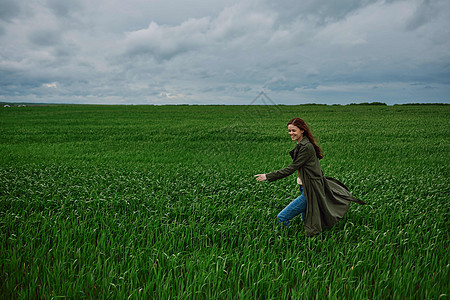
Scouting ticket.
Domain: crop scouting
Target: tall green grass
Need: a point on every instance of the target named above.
(160, 202)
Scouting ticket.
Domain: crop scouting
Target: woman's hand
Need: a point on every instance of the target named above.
(261, 177)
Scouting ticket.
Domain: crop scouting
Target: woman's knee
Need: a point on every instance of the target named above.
(281, 218)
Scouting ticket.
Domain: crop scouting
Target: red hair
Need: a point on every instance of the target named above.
(302, 126)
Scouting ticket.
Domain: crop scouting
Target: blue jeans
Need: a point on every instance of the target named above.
(296, 207)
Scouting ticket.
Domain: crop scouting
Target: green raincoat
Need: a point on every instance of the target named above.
(327, 199)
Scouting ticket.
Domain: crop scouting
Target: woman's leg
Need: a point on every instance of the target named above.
(296, 207)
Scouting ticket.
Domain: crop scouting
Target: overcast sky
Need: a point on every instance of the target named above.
(224, 51)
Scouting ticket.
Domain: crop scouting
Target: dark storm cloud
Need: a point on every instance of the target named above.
(45, 37)
(320, 11)
(425, 13)
(64, 8)
(9, 9)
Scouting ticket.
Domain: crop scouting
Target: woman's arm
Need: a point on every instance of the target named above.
(304, 154)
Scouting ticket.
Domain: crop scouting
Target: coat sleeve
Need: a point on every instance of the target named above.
(304, 154)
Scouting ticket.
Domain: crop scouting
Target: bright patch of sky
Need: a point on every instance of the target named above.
(224, 52)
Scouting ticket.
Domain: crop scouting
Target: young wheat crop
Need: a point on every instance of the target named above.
(160, 202)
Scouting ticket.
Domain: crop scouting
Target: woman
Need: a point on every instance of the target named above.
(323, 200)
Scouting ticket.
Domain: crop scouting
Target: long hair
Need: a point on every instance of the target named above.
(302, 126)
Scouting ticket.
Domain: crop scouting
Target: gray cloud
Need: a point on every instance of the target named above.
(318, 11)
(44, 37)
(164, 42)
(225, 51)
(425, 13)
(64, 8)
(9, 9)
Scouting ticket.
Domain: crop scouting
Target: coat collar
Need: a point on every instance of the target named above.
(304, 141)
(294, 151)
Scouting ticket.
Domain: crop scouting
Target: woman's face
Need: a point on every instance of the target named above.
(295, 133)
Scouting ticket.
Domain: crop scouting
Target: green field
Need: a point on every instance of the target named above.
(160, 202)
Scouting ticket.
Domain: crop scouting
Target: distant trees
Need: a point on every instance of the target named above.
(369, 103)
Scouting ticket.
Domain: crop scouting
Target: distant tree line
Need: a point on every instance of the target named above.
(369, 103)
